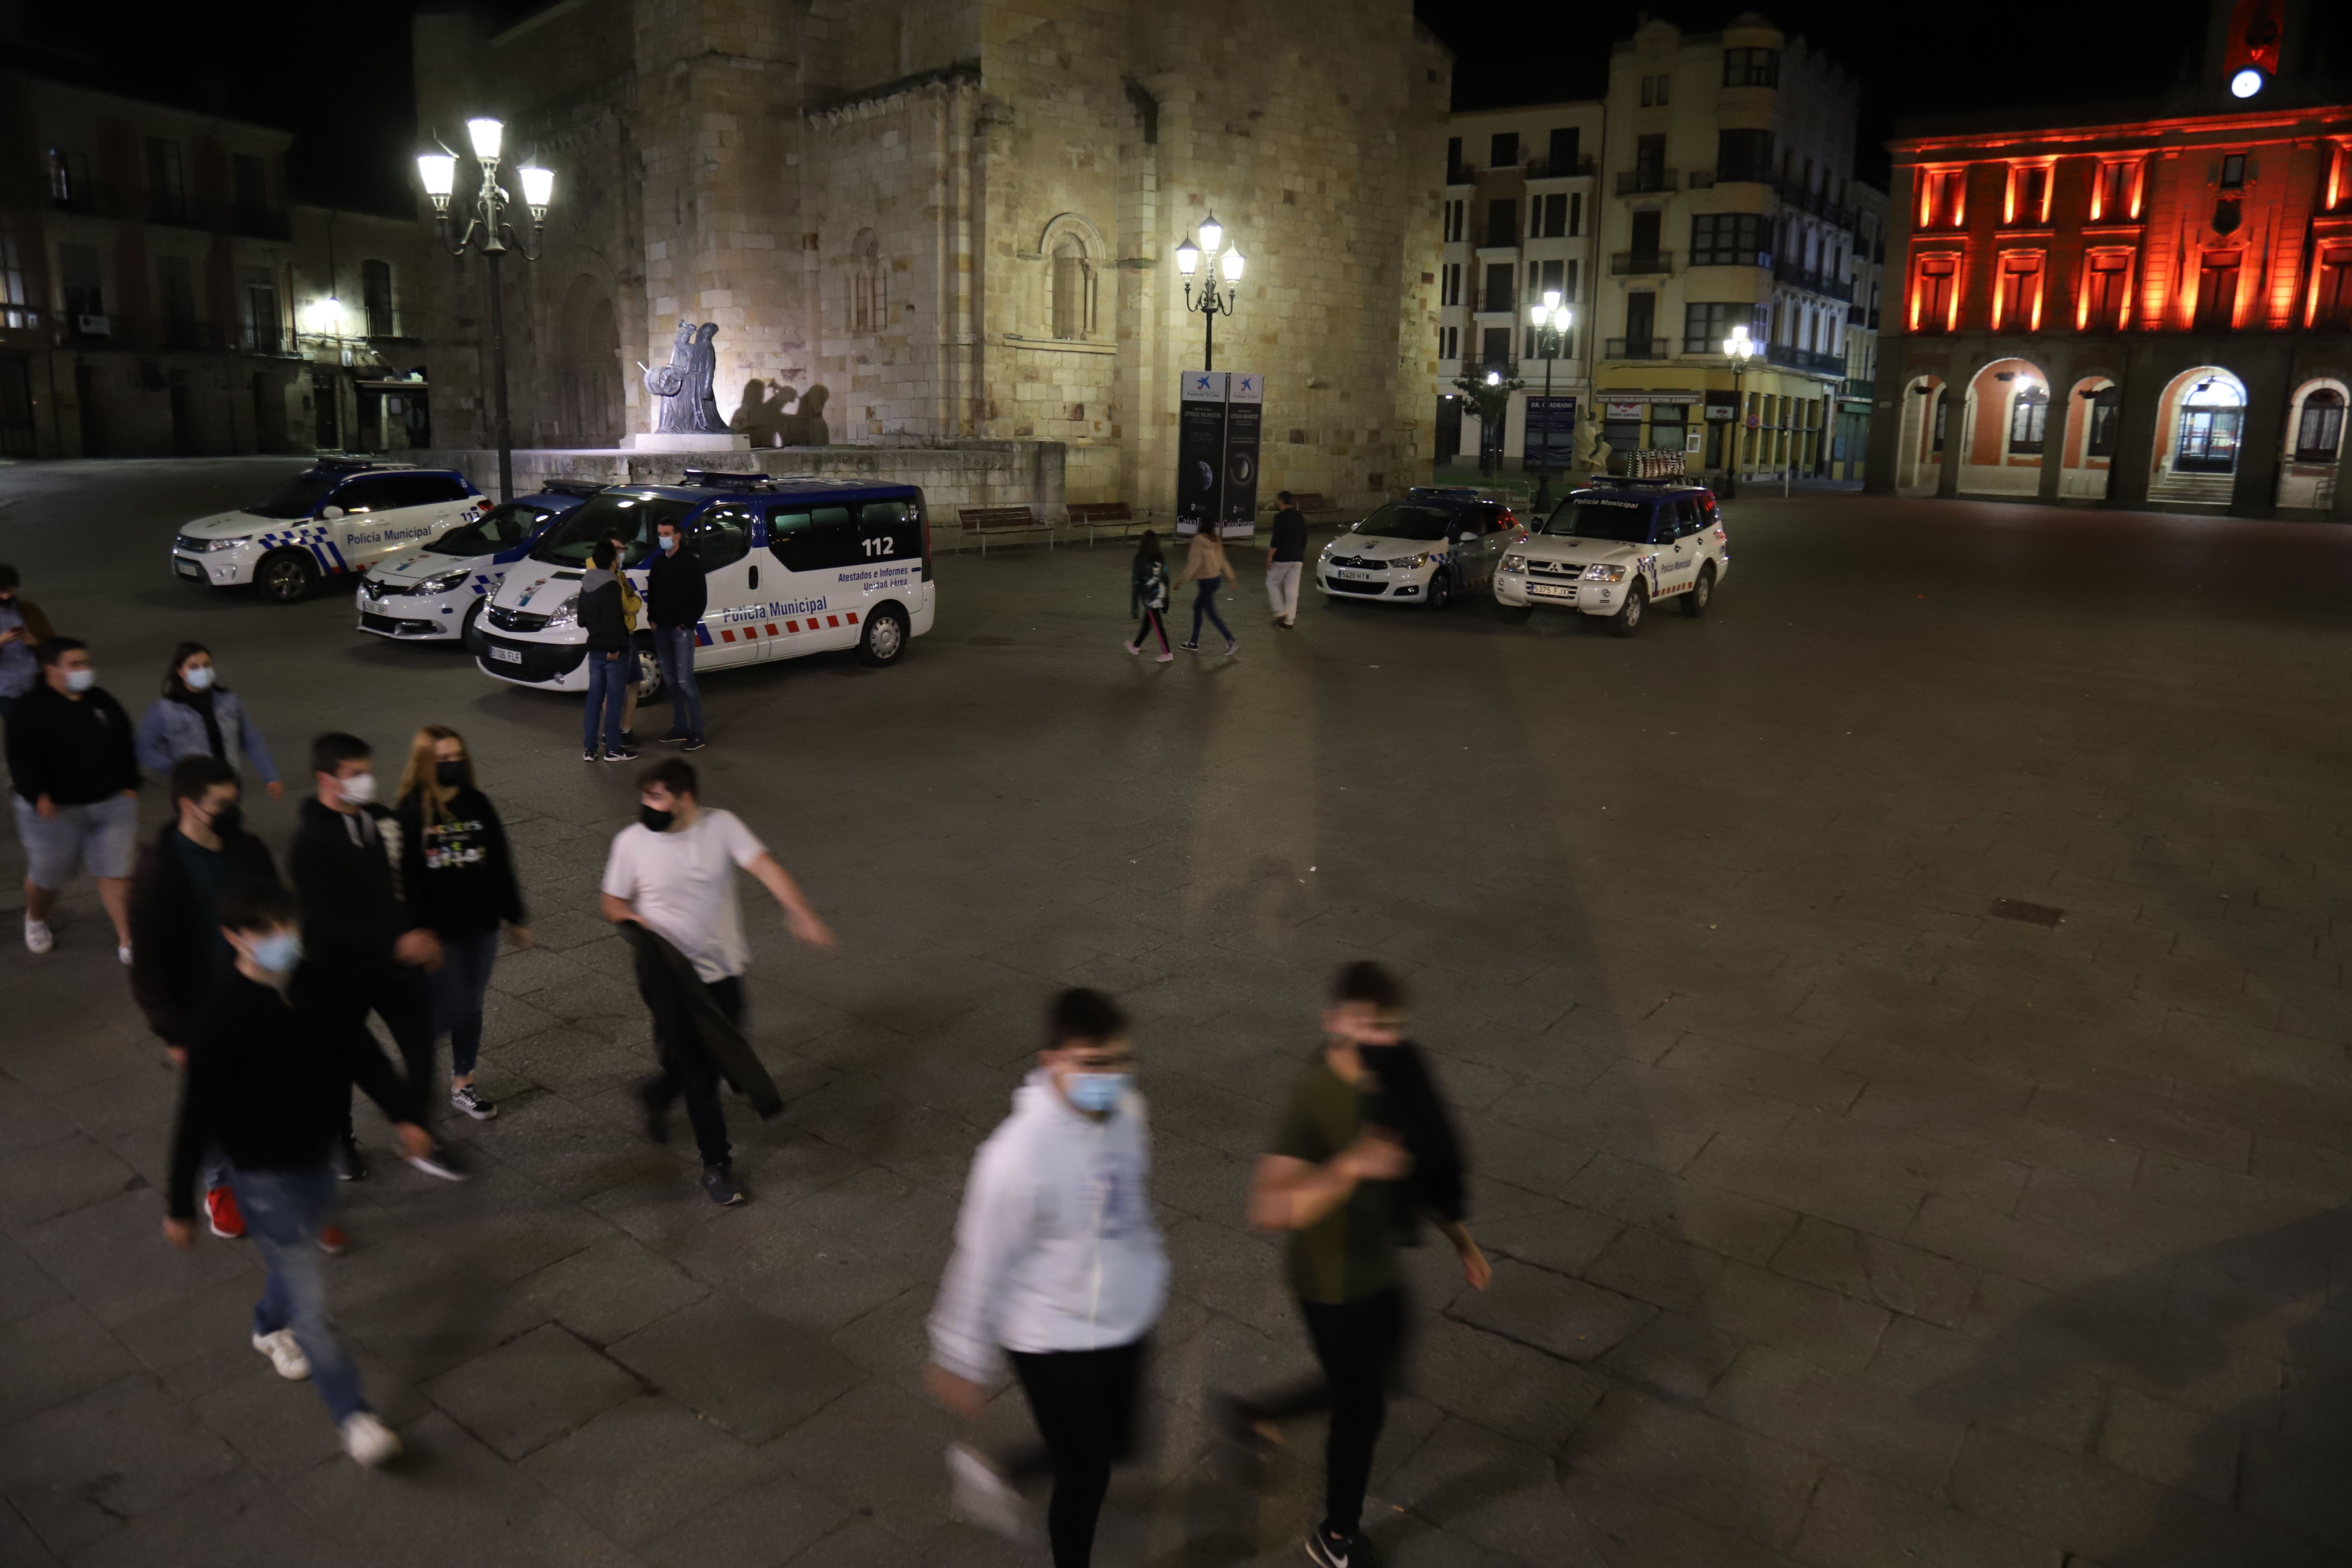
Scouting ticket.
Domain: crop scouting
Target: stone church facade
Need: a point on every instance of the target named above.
(921, 223)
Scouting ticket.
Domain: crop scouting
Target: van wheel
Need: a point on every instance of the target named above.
(1441, 590)
(1701, 595)
(286, 578)
(1628, 618)
(884, 636)
(649, 680)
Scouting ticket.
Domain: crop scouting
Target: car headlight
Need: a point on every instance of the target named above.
(565, 613)
(1515, 563)
(443, 584)
(227, 544)
(1408, 562)
(1598, 574)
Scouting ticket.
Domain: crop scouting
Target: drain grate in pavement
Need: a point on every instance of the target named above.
(2032, 914)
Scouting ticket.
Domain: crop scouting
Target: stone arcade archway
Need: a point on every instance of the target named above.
(1919, 451)
(2087, 456)
(2200, 422)
(2006, 431)
(2312, 456)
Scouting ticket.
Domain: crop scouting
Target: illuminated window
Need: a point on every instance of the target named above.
(2320, 432)
(2106, 286)
(2029, 416)
(1933, 293)
(2017, 299)
(2332, 290)
(2029, 193)
(1942, 199)
(2217, 292)
(2111, 192)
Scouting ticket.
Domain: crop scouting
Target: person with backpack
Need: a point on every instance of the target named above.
(197, 716)
(1147, 592)
(611, 668)
(1205, 564)
(632, 610)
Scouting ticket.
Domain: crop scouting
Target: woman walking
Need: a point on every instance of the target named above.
(1148, 593)
(198, 717)
(1205, 564)
(460, 878)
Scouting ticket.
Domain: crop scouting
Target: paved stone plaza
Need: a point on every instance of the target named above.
(1838, 1222)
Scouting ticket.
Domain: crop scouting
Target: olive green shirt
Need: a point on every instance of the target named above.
(1349, 1253)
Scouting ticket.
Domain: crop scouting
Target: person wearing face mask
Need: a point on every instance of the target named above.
(177, 951)
(76, 783)
(23, 628)
(1058, 1264)
(357, 919)
(612, 666)
(460, 880)
(197, 716)
(1363, 1146)
(676, 597)
(271, 1066)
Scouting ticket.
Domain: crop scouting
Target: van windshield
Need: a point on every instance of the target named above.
(633, 517)
(1625, 521)
(1403, 519)
(298, 497)
(503, 527)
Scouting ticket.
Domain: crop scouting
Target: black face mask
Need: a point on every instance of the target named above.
(449, 775)
(230, 820)
(658, 821)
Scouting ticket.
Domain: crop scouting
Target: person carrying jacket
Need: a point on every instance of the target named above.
(676, 597)
(23, 628)
(611, 671)
(1147, 592)
(1059, 1265)
(197, 716)
(76, 783)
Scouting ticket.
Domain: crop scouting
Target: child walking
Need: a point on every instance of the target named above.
(1148, 593)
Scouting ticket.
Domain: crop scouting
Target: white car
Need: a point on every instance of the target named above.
(1616, 549)
(1421, 550)
(339, 517)
(438, 589)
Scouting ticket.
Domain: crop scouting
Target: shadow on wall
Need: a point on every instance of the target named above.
(762, 415)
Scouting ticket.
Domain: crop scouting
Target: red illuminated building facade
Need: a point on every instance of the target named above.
(2152, 311)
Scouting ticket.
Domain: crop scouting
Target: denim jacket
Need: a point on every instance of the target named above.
(172, 729)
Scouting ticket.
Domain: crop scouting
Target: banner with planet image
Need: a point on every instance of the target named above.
(1199, 450)
(1245, 402)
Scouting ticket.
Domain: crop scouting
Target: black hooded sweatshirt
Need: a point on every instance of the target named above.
(345, 868)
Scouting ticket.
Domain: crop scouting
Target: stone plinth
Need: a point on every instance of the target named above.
(681, 443)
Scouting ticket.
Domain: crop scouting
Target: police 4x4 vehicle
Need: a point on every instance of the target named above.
(438, 589)
(1617, 547)
(342, 516)
(792, 566)
(1421, 550)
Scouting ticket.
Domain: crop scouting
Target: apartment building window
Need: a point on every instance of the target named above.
(1743, 155)
(1707, 323)
(2106, 285)
(2017, 300)
(260, 310)
(16, 307)
(1449, 342)
(1729, 239)
(2029, 417)
(2319, 434)
(1456, 221)
(1655, 90)
(2029, 195)
(1568, 281)
(1553, 279)
(1560, 157)
(1575, 213)
(2111, 192)
(2331, 303)
(1650, 162)
(1641, 322)
(2234, 171)
(1449, 288)
(176, 292)
(167, 191)
(69, 183)
(1498, 292)
(85, 296)
(375, 298)
(2217, 292)
(1503, 150)
(1503, 222)
(1751, 68)
(1496, 350)
(1548, 216)
(1933, 293)
(252, 178)
(1455, 174)
(2106, 415)
(1942, 199)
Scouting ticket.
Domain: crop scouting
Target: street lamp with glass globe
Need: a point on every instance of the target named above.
(1210, 304)
(1740, 350)
(488, 232)
(1551, 321)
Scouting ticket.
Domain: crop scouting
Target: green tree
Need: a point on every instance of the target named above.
(1490, 401)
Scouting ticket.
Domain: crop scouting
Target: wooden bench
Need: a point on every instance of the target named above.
(982, 521)
(1094, 515)
(1311, 502)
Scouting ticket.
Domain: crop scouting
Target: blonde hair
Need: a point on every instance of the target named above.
(419, 778)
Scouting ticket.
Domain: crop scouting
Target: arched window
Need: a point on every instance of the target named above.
(868, 290)
(2319, 434)
(2212, 417)
(2029, 415)
(1074, 289)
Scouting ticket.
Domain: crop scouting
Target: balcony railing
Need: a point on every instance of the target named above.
(1638, 348)
(1707, 179)
(1460, 174)
(1860, 390)
(1797, 195)
(177, 208)
(1641, 182)
(1791, 357)
(1567, 168)
(1813, 283)
(83, 196)
(385, 325)
(1640, 264)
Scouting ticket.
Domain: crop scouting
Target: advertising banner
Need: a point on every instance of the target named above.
(1199, 450)
(1551, 430)
(1244, 404)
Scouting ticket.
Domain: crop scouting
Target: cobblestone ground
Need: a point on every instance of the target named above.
(1839, 1221)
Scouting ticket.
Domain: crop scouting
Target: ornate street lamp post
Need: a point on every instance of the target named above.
(1551, 321)
(1740, 350)
(488, 231)
(1210, 304)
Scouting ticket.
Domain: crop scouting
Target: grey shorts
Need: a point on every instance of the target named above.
(99, 834)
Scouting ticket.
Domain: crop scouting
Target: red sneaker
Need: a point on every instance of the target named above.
(220, 1208)
(331, 1240)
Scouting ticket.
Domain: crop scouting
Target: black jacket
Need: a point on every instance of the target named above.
(345, 868)
(457, 871)
(175, 941)
(694, 1039)
(1147, 586)
(270, 1077)
(600, 615)
(676, 594)
(1289, 535)
(1406, 1100)
(76, 752)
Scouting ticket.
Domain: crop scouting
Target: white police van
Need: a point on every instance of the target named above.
(791, 566)
(1614, 548)
(341, 516)
(439, 589)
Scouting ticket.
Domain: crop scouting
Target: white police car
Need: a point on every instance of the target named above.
(1421, 550)
(342, 516)
(1615, 549)
(791, 566)
(438, 589)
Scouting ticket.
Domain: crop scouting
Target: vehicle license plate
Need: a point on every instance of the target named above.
(1356, 576)
(189, 569)
(1547, 591)
(506, 655)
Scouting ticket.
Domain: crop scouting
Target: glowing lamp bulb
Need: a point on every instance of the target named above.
(1212, 235)
(487, 135)
(1494, 378)
(1551, 299)
(1188, 258)
(439, 173)
(1231, 264)
(2247, 82)
(538, 188)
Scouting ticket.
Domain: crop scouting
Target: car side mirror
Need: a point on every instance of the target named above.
(331, 514)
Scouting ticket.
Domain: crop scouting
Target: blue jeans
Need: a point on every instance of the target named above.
(674, 647)
(283, 1212)
(609, 677)
(457, 988)
(1204, 603)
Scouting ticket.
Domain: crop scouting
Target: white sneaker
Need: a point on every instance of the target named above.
(979, 1494)
(122, 951)
(36, 936)
(369, 1440)
(284, 1354)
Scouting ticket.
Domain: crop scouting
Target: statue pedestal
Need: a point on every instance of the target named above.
(674, 443)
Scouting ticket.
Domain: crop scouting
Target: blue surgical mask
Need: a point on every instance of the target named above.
(669, 543)
(1097, 1092)
(278, 953)
(199, 678)
(80, 679)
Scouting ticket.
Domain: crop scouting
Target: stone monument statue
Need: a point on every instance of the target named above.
(686, 418)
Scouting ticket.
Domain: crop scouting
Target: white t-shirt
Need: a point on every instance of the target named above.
(682, 883)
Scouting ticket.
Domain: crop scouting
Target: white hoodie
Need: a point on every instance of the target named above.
(1055, 1248)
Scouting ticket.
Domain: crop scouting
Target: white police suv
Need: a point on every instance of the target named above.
(791, 566)
(342, 516)
(1617, 548)
(439, 588)
(1421, 550)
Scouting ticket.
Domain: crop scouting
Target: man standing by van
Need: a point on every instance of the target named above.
(610, 667)
(676, 597)
(1285, 559)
